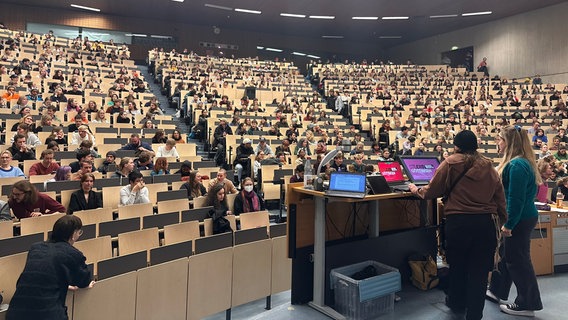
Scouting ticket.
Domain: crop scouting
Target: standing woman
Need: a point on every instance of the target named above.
(474, 200)
(52, 268)
(85, 198)
(520, 178)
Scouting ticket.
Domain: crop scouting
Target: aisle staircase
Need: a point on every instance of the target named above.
(164, 104)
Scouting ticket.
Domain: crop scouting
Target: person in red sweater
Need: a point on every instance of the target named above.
(26, 201)
(46, 166)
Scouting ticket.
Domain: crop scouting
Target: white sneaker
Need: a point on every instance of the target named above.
(515, 310)
(492, 297)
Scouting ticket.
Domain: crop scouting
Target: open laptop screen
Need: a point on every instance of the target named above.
(420, 169)
(345, 181)
(391, 170)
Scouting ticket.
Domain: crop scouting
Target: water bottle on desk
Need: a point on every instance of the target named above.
(308, 175)
(559, 199)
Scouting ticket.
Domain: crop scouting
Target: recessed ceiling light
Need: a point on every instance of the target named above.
(293, 15)
(178, 0)
(390, 37)
(476, 13)
(443, 16)
(274, 50)
(159, 37)
(248, 11)
(86, 8)
(322, 17)
(136, 35)
(312, 56)
(214, 6)
(298, 53)
(332, 37)
(365, 18)
(395, 18)
(259, 47)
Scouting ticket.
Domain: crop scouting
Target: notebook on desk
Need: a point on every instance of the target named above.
(347, 185)
(420, 170)
(392, 171)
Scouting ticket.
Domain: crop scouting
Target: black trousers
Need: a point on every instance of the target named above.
(471, 241)
(516, 267)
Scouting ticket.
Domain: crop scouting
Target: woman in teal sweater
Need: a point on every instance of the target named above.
(520, 180)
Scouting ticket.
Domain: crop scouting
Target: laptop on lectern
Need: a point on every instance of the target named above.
(392, 171)
(378, 184)
(347, 185)
(420, 170)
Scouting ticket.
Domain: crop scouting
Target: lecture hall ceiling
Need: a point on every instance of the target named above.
(425, 17)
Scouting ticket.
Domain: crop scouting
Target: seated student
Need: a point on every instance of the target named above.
(299, 175)
(57, 135)
(26, 119)
(86, 167)
(184, 170)
(217, 199)
(20, 150)
(82, 155)
(284, 148)
(61, 174)
(194, 186)
(6, 169)
(159, 137)
(78, 121)
(32, 140)
(135, 192)
(144, 162)
(562, 186)
(136, 144)
(85, 198)
(52, 145)
(242, 162)
(221, 179)
(338, 164)
(88, 146)
(123, 117)
(109, 160)
(160, 167)
(545, 170)
(386, 155)
(83, 134)
(26, 201)
(125, 167)
(169, 150)
(248, 200)
(357, 165)
(46, 166)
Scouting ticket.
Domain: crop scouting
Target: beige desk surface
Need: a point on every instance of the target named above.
(369, 197)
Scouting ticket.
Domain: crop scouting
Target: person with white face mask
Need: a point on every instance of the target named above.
(248, 200)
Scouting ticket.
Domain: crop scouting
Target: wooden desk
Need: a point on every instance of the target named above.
(541, 244)
(294, 192)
